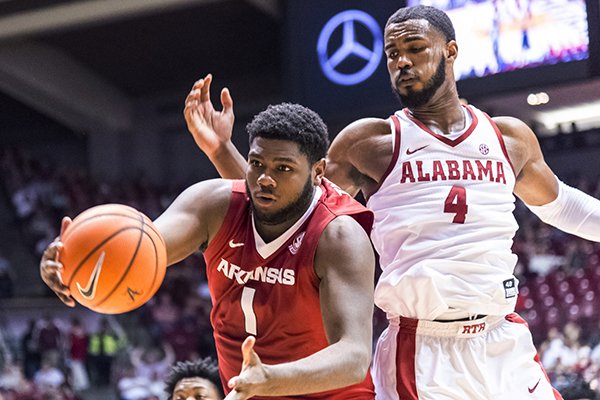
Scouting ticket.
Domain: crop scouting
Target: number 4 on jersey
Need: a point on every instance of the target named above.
(456, 203)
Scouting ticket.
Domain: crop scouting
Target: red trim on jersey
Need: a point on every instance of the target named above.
(517, 319)
(395, 155)
(449, 142)
(406, 342)
(501, 140)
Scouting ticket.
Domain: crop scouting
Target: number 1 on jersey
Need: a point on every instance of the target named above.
(456, 203)
(249, 316)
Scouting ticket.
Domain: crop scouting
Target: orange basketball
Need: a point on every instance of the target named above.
(114, 258)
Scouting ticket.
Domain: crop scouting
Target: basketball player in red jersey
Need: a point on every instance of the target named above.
(440, 178)
(289, 265)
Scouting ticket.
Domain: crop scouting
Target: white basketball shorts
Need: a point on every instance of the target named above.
(484, 359)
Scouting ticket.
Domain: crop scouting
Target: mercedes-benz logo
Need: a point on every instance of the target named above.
(350, 47)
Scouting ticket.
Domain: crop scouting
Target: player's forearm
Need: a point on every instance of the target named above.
(228, 161)
(573, 212)
(336, 366)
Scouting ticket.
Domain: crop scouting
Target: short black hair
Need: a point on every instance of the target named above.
(434, 16)
(293, 122)
(205, 368)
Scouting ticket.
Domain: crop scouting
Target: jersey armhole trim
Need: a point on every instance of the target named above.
(395, 128)
(501, 140)
(238, 196)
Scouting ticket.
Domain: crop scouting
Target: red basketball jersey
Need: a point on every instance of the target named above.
(275, 296)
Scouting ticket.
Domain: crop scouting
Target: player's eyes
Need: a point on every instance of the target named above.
(392, 54)
(255, 163)
(284, 168)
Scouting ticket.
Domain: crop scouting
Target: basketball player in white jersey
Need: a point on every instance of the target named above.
(441, 178)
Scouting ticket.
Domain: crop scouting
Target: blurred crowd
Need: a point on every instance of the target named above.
(42, 193)
(130, 355)
(559, 297)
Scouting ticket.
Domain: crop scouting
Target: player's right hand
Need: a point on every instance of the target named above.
(50, 267)
(210, 128)
(253, 379)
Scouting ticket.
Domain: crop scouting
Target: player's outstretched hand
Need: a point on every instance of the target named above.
(210, 128)
(50, 267)
(253, 376)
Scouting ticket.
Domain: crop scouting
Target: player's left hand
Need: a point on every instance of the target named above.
(253, 376)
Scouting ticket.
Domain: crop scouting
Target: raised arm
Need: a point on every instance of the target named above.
(189, 222)
(359, 155)
(212, 129)
(554, 202)
(194, 218)
(345, 263)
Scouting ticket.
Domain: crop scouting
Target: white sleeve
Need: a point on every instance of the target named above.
(573, 212)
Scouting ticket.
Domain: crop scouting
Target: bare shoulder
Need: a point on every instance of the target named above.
(343, 245)
(214, 193)
(362, 129)
(207, 200)
(521, 142)
(360, 155)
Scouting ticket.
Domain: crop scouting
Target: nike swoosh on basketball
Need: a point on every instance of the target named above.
(531, 390)
(232, 244)
(89, 291)
(409, 151)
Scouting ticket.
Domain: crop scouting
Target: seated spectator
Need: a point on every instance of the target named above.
(153, 363)
(48, 377)
(12, 379)
(133, 387)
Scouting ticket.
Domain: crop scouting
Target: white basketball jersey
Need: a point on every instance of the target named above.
(444, 224)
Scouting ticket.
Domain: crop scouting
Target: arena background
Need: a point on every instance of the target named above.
(91, 99)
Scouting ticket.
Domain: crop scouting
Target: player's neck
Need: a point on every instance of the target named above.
(441, 115)
(270, 232)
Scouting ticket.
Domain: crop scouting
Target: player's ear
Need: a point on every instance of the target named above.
(318, 171)
(451, 50)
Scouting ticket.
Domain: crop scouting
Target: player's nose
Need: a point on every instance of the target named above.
(403, 62)
(266, 179)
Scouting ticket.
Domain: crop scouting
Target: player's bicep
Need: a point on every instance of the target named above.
(340, 169)
(345, 262)
(536, 183)
(343, 175)
(359, 155)
(194, 214)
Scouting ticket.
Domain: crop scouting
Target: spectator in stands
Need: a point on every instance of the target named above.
(11, 377)
(78, 351)
(50, 340)
(184, 339)
(199, 379)
(103, 348)
(164, 313)
(13, 383)
(49, 376)
(6, 278)
(131, 386)
(31, 350)
(153, 363)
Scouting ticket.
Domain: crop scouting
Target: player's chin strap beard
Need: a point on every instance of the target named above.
(295, 209)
